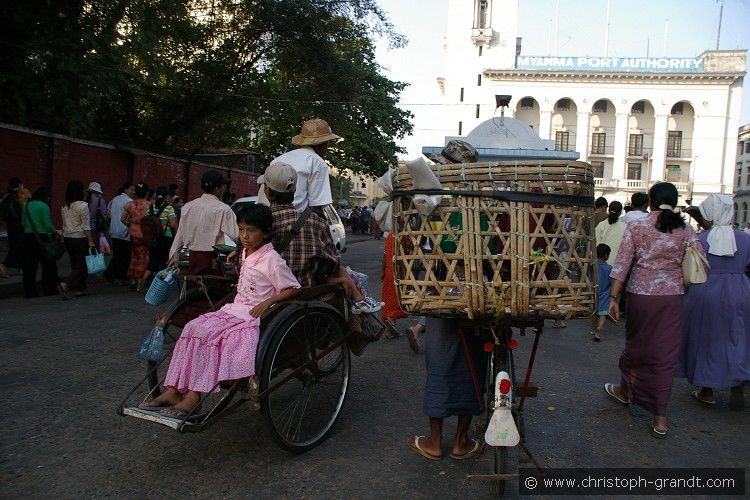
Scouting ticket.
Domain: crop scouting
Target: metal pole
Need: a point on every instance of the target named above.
(721, 14)
(606, 34)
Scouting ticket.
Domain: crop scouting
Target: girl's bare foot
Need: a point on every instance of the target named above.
(190, 403)
(167, 398)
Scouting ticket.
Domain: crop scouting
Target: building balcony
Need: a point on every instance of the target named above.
(602, 151)
(481, 36)
(633, 185)
(680, 153)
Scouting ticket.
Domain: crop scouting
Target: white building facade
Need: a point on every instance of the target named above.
(742, 181)
(638, 121)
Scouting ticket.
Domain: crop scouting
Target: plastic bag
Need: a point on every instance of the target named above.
(95, 262)
(104, 245)
(153, 343)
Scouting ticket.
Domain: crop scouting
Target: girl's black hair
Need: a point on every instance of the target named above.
(41, 194)
(665, 193)
(257, 215)
(615, 209)
(74, 192)
(141, 190)
(600, 202)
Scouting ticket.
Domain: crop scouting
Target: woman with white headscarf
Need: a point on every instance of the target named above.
(716, 343)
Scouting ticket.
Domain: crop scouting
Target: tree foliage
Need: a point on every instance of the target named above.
(180, 76)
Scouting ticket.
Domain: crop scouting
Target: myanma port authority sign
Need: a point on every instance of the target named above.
(619, 64)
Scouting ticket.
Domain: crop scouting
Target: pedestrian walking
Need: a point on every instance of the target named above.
(78, 238)
(132, 216)
(610, 231)
(716, 340)
(652, 250)
(605, 287)
(97, 214)
(11, 208)
(117, 272)
(37, 214)
(159, 250)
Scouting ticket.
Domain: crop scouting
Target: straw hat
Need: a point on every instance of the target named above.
(315, 131)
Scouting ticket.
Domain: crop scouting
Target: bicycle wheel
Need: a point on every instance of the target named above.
(501, 360)
(306, 373)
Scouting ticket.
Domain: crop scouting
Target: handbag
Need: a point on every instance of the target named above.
(95, 262)
(694, 267)
(51, 250)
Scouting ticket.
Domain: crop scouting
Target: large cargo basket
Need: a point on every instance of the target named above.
(500, 243)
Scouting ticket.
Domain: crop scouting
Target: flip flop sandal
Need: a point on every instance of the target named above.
(415, 446)
(657, 433)
(181, 413)
(696, 395)
(609, 389)
(413, 342)
(475, 451)
(63, 291)
(154, 405)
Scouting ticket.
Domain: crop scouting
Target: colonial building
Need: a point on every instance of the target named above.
(636, 120)
(742, 185)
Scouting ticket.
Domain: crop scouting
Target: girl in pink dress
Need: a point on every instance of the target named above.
(221, 345)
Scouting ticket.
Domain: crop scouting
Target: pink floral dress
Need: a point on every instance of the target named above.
(221, 345)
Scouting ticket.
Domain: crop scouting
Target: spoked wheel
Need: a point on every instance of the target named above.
(306, 376)
(501, 360)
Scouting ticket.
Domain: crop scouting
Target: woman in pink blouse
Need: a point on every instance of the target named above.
(221, 345)
(651, 251)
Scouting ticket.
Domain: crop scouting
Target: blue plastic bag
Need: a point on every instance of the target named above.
(153, 343)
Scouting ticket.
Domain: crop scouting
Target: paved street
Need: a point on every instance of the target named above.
(65, 366)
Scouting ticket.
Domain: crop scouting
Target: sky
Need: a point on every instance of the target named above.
(634, 26)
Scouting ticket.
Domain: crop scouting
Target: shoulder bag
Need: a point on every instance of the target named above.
(694, 267)
(52, 250)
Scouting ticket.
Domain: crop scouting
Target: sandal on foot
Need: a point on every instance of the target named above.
(391, 330)
(182, 413)
(697, 395)
(656, 432)
(610, 390)
(63, 291)
(415, 446)
(413, 341)
(476, 450)
(596, 338)
(154, 405)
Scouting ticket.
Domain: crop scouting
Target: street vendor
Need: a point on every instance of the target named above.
(449, 388)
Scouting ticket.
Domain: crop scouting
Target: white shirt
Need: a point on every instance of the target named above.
(611, 234)
(633, 215)
(116, 207)
(313, 185)
(203, 223)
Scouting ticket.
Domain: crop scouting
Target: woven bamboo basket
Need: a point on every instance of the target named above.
(498, 244)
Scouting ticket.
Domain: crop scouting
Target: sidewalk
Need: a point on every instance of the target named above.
(13, 286)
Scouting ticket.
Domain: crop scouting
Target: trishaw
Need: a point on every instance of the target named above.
(505, 245)
(302, 360)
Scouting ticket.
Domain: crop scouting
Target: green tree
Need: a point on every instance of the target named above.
(178, 76)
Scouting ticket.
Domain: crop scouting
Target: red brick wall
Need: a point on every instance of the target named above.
(41, 159)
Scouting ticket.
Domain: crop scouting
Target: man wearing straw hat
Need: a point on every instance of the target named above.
(313, 186)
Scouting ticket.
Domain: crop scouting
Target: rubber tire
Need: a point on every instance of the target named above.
(285, 334)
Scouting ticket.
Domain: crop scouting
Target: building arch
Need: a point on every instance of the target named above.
(528, 111)
(679, 156)
(564, 124)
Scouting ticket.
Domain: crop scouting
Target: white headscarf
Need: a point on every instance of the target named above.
(719, 208)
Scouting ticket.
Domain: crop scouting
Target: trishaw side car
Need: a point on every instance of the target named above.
(302, 364)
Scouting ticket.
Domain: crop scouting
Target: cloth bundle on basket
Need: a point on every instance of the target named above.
(95, 262)
(163, 284)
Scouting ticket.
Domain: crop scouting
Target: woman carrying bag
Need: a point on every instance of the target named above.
(37, 228)
(78, 238)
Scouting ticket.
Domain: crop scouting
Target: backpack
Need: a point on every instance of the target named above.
(151, 227)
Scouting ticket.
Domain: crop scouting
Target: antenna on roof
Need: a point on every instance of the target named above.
(721, 14)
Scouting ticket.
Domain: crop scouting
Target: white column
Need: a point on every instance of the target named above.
(621, 138)
(659, 154)
(582, 134)
(545, 124)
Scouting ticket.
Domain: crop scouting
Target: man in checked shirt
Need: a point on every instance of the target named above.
(311, 254)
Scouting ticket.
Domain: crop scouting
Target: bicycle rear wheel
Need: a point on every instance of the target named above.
(305, 372)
